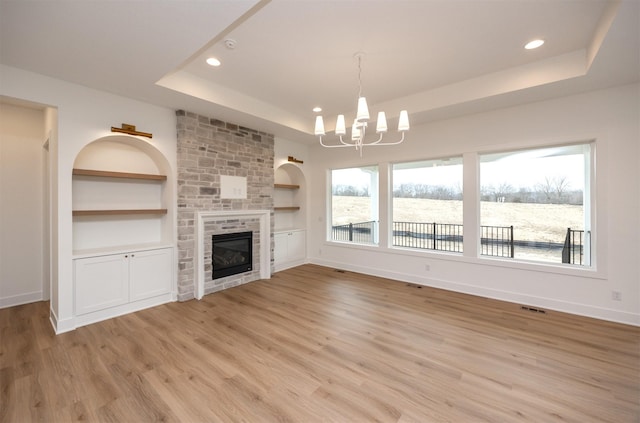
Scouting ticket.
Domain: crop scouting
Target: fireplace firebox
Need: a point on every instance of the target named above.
(231, 254)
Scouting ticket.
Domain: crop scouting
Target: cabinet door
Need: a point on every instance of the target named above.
(100, 282)
(280, 252)
(151, 273)
(296, 245)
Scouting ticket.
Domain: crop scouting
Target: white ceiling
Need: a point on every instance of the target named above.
(436, 58)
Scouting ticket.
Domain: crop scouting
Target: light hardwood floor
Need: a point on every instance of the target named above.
(313, 344)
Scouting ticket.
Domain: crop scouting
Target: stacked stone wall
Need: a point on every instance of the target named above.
(207, 149)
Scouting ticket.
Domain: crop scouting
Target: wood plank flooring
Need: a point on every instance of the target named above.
(313, 344)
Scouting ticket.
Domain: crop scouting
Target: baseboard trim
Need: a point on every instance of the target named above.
(109, 313)
(16, 300)
(511, 297)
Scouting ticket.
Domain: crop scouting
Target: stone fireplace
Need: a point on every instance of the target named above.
(209, 149)
(209, 223)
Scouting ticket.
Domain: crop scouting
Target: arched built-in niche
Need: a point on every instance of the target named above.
(115, 174)
(123, 242)
(290, 217)
(289, 198)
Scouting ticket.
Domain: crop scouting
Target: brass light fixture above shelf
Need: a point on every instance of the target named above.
(130, 130)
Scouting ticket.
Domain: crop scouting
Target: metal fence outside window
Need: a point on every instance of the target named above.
(495, 241)
(431, 236)
(573, 249)
(361, 232)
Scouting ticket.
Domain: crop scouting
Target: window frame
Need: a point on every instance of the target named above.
(589, 205)
(452, 230)
(374, 195)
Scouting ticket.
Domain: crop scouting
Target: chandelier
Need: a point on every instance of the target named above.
(359, 127)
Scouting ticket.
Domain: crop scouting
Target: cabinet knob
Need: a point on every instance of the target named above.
(126, 256)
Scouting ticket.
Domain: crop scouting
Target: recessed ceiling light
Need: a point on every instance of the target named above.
(212, 61)
(534, 44)
(317, 109)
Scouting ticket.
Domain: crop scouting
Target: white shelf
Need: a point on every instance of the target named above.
(118, 212)
(119, 249)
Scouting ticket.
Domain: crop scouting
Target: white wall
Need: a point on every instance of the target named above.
(22, 187)
(84, 115)
(611, 117)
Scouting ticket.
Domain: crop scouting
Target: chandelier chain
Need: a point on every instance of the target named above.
(359, 76)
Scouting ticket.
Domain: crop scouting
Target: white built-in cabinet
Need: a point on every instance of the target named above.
(123, 247)
(290, 217)
(110, 280)
(289, 248)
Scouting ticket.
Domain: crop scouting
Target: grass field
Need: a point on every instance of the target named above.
(531, 222)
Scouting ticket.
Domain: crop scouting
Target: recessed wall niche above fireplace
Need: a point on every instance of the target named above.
(231, 254)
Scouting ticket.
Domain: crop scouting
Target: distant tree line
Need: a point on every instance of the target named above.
(432, 192)
(554, 190)
(351, 191)
(551, 191)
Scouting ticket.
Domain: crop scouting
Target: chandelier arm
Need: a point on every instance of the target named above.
(346, 144)
(389, 143)
(334, 145)
(376, 142)
(359, 144)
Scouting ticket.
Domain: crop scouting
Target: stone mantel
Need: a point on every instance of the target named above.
(203, 217)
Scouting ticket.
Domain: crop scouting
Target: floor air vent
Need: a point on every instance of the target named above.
(339, 271)
(533, 309)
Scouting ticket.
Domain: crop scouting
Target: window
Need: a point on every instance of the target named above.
(427, 204)
(354, 205)
(534, 204)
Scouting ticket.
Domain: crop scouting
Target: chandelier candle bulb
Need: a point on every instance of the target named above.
(355, 131)
(403, 122)
(341, 129)
(382, 123)
(363, 110)
(319, 126)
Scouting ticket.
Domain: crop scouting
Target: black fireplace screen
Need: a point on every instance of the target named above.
(231, 254)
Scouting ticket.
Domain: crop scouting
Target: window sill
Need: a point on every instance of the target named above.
(568, 270)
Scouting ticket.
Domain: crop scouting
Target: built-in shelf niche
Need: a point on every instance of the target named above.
(289, 198)
(121, 195)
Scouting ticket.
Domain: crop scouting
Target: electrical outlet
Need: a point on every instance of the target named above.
(427, 267)
(616, 295)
